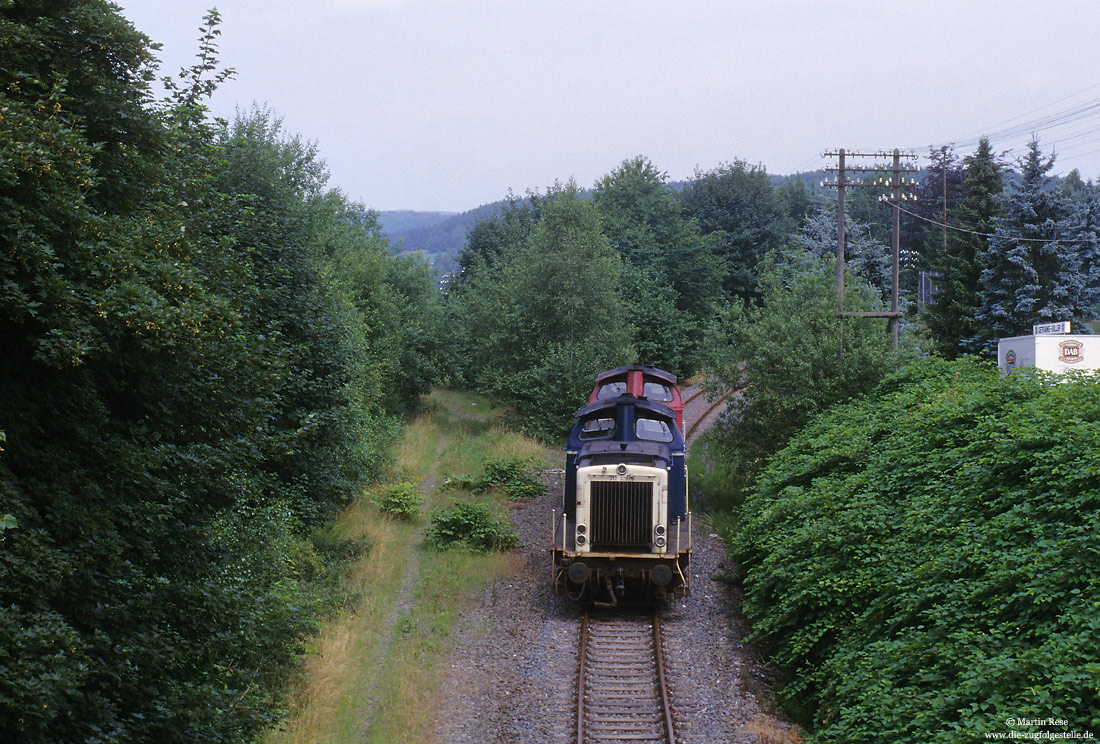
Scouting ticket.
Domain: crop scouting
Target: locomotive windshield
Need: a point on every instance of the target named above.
(657, 391)
(611, 390)
(597, 428)
(652, 430)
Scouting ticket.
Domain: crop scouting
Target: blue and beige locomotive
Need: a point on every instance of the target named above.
(625, 528)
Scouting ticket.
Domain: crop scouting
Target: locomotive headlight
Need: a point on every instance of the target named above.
(582, 535)
(581, 540)
(659, 541)
(621, 470)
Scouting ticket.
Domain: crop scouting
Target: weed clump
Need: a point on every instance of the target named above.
(475, 526)
(401, 500)
(516, 477)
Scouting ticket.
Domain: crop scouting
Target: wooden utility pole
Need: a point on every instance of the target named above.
(897, 185)
(840, 184)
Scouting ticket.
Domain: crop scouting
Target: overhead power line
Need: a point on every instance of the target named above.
(956, 228)
(1062, 120)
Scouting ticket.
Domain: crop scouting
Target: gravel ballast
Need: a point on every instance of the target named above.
(511, 677)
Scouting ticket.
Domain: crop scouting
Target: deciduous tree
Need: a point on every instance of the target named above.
(673, 277)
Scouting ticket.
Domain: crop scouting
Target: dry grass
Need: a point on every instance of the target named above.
(768, 730)
(351, 648)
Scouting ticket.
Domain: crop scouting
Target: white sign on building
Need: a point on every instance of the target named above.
(1049, 328)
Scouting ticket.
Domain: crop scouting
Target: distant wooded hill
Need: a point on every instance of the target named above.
(438, 236)
(441, 236)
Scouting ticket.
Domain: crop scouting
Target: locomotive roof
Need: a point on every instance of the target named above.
(651, 406)
(646, 369)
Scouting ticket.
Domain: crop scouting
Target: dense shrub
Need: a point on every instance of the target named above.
(475, 526)
(924, 562)
(516, 477)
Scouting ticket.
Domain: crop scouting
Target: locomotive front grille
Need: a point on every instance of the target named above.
(621, 514)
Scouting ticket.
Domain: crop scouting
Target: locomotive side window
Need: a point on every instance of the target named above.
(652, 430)
(657, 391)
(599, 428)
(611, 390)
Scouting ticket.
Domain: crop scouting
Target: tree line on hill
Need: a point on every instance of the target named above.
(684, 264)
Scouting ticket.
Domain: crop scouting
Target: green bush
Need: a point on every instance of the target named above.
(516, 477)
(475, 526)
(401, 500)
(924, 561)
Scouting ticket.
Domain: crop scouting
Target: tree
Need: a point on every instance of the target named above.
(131, 406)
(553, 316)
(939, 193)
(187, 390)
(491, 239)
(789, 357)
(737, 207)
(671, 272)
(1029, 274)
(1083, 232)
(796, 199)
(952, 319)
(863, 254)
(489, 245)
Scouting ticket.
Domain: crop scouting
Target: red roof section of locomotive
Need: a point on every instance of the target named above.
(635, 376)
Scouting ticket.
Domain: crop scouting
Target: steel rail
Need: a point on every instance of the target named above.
(627, 691)
(662, 680)
(695, 394)
(581, 678)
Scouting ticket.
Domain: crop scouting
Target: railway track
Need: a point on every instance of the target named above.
(622, 693)
(703, 420)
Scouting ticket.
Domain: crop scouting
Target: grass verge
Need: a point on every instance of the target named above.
(373, 673)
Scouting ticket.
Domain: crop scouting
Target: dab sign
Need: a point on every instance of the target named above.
(1070, 351)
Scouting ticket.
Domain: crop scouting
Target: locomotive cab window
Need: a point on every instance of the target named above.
(597, 428)
(611, 390)
(652, 430)
(657, 391)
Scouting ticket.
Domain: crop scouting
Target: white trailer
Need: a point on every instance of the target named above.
(1054, 352)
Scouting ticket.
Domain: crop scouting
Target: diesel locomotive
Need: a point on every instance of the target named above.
(624, 532)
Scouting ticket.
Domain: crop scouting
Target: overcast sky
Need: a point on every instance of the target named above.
(434, 105)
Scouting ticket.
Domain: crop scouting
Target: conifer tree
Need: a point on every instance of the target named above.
(863, 254)
(952, 318)
(1083, 229)
(1029, 275)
